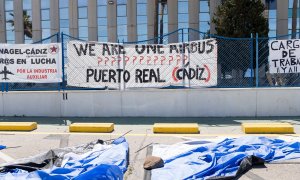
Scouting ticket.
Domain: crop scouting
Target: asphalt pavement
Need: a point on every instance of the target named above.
(53, 133)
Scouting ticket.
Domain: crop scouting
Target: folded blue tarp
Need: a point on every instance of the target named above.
(206, 159)
(96, 160)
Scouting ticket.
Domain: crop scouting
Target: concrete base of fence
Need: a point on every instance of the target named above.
(206, 102)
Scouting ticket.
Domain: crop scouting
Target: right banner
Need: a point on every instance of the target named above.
(284, 56)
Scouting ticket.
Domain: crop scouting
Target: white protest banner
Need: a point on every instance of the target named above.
(192, 64)
(284, 56)
(38, 63)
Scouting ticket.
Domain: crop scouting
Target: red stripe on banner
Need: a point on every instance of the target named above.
(208, 72)
(173, 74)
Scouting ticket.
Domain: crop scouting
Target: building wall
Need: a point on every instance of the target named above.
(154, 103)
(120, 20)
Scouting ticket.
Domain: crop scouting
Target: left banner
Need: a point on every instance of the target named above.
(38, 63)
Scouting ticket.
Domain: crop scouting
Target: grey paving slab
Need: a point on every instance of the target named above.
(281, 171)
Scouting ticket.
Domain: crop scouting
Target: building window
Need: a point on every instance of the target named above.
(10, 34)
(290, 18)
(183, 19)
(64, 16)
(102, 20)
(45, 18)
(141, 20)
(204, 16)
(82, 20)
(272, 17)
(122, 20)
(27, 12)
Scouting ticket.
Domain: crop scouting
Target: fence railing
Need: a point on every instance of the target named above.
(242, 62)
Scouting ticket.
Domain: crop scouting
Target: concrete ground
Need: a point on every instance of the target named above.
(53, 133)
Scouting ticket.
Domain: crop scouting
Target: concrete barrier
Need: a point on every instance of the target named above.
(176, 128)
(40, 103)
(278, 102)
(206, 102)
(18, 126)
(268, 128)
(92, 127)
(92, 104)
(1, 104)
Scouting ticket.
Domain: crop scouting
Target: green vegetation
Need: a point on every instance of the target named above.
(240, 18)
(27, 24)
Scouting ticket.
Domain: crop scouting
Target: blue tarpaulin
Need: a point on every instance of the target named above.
(2, 147)
(206, 159)
(102, 161)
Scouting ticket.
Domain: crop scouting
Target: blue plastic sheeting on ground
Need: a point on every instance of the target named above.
(104, 161)
(2, 147)
(206, 159)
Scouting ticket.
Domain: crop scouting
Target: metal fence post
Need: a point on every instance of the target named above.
(251, 63)
(123, 67)
(6, 87)
(57, 37)
(120, 84)
(188, 34)
(57, 41)
(63, 60)
(183, 60)
(189, 58)
(256, 59)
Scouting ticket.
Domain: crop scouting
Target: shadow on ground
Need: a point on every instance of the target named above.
(226, 121)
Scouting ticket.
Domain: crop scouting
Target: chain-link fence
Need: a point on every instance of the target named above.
(240, 63)
(175, 36)
(235, 60)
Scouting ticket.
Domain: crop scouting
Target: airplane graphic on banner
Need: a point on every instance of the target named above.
(5, 72)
